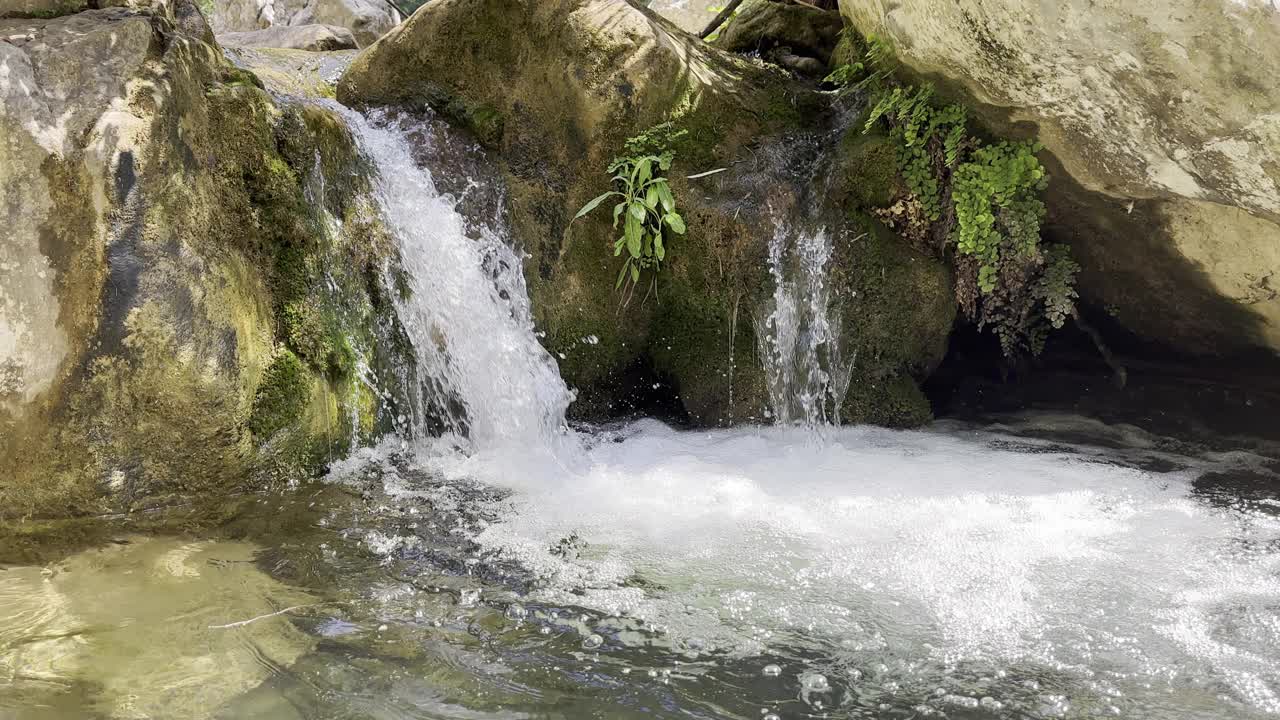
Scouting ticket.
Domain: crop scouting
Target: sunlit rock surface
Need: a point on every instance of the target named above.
(300, 37)
(165, 220)
(366, 19)
(1165, 119)
(690, 15)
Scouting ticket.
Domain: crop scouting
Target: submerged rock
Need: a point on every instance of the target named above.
(146, 627)
(177, 249)
(553, 90)
(297, 37)
(1163, 123)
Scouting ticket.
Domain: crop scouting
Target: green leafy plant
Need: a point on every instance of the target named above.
(646, 209)
(981, 204)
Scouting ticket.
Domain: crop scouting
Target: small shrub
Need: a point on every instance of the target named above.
(646, 208)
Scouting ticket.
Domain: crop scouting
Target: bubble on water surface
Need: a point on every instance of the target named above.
(592, 641)
(771, 670)
(516, 612)
(814, 682)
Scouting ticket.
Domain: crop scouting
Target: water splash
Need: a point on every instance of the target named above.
(483, 373)
(800, 337)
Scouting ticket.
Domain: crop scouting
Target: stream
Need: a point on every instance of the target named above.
(490, 561)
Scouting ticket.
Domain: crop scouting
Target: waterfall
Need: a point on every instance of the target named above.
(482, 371)
(799, 333)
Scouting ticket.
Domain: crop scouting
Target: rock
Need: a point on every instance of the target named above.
(163, 328)
(1163, 123)
(692, 16)
(367, 20)
(40, 8)
(497, 69)
(800, 30)
(301, 73)
(315, 38)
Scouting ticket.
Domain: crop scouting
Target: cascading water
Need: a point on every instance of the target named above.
(799, 333)
(912, 574)
(467, 311)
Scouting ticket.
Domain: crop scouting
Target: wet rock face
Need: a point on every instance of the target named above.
(553, 89)
(367, 20)
(1164, 121)
(164, 225)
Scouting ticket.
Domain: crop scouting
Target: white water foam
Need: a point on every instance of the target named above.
(936, 546)
(867, 547)
(468, 312)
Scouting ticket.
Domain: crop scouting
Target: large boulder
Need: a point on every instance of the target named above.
(1162, 124)
(776, 27)
(553, 89)
(367, 20)
(40, 8)
(176, 248)
(312, 38)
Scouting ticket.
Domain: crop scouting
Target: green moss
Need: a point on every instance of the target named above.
(895, 402)
(866, 166)
(849, 49)
(703, 335)
(281, 397)
(898, 302)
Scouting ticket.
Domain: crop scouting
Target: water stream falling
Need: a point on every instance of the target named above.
(800, 333)
(467, 313)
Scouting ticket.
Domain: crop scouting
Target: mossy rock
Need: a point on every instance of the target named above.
(496, 69)
(177, 256)
(763, 25)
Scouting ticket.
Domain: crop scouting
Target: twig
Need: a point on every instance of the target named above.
(704, 174)
(242, 623)
(721, 17)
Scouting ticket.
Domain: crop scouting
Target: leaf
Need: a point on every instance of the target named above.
(644, 171)
(637, 211)
(676, 222)
(621, 274)
(664, 160)
(651, 197)
(595, 203)
(635, 273)
(664, 194)
(617, 211)
(618, 245)
(634, 229)
(659, 251)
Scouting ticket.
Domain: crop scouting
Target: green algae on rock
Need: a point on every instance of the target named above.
(187, 211)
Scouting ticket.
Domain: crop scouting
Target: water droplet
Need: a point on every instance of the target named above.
(814, 682)
(772, 670)
(771, 716)
(592, 641)
(544, 630)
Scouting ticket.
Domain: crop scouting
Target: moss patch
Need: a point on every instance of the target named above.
(281, 396)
